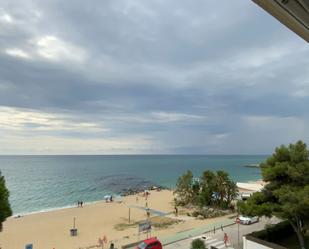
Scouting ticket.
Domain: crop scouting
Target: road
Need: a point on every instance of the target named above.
(216, 239)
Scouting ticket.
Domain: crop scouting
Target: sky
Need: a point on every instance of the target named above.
(149, 77)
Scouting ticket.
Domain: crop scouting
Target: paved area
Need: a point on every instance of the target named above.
(209, 241)
(216, 239)
(184, 235)
(152, 211)
(197, 231)
(165, 214)
(213, 233)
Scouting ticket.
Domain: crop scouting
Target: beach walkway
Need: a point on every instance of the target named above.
(209, 242)
(152, 211)
(214, 226)
(172, 240)
(216, 239)
(155, 212)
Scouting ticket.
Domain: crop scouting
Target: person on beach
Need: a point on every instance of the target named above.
(176, 211)
(100, 242)
(111, 198)
(148, 212)
(225, 238)
(81, 203)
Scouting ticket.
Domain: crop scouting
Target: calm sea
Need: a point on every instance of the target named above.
(38, 183)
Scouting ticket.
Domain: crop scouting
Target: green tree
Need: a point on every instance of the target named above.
(211, 189)
(286, 194)
(195, 191)
(222, 179)
(226, 188)
(5, 208)
(217, 189)
(198, 244)
(208, 184)
(231, 191)
(184, 188)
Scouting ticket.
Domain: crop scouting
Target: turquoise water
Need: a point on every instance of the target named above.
(38, 183)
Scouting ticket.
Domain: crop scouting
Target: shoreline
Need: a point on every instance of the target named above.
(47, 210)
(51, 229)
(60, 191)
(116, 198)
(53, 209)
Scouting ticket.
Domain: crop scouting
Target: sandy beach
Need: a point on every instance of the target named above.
(51, 230)
(93, 221)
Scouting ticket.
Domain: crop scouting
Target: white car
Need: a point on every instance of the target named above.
(248, 220)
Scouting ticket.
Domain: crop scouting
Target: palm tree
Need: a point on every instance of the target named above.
(222, 179)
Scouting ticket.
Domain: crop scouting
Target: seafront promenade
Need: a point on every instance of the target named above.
(209, 227)
(216, 238)
(214, 233)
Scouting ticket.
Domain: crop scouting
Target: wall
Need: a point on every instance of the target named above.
(250, 242)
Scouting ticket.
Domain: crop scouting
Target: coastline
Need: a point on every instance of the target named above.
(116, 197)
(54, 209)
(50, 229)
(40, 184)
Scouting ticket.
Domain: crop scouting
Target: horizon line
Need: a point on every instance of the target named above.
(185, 154)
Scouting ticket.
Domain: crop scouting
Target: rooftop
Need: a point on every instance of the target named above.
(294, 14)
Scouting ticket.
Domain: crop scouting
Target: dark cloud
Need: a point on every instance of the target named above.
(189, 77)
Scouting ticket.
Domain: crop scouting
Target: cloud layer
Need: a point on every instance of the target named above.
(158, 76)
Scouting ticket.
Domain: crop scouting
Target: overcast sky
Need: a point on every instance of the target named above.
(149, 76)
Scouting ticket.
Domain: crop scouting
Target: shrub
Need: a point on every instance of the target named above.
(275, 233)
(195, 213)
(198, 244)
(208, 213)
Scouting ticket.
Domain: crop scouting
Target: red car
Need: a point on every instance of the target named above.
(152, 243)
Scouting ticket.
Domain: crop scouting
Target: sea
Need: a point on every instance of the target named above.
(44, 183)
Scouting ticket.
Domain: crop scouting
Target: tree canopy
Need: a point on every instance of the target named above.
(286, 194)
(211, 189)
(5, 208)
(184, 187)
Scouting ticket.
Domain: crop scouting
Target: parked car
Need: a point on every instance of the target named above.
(152, 243)
(248, 220)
